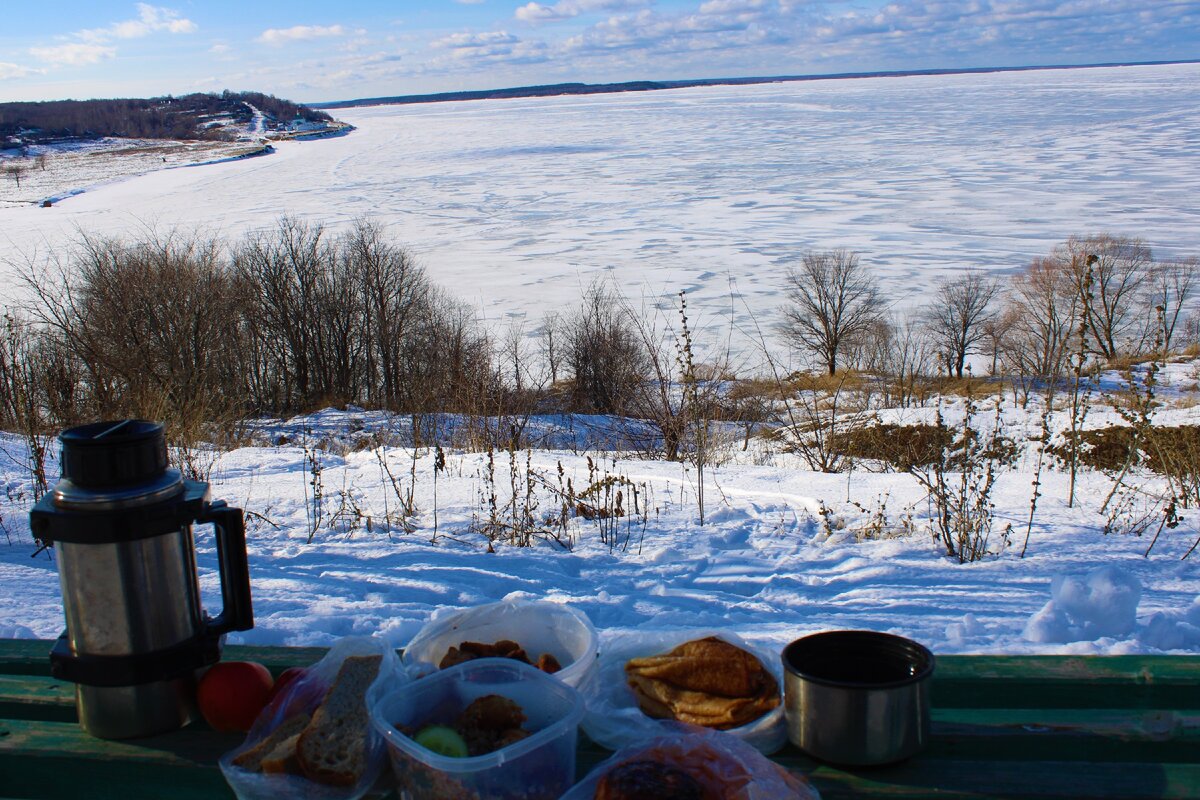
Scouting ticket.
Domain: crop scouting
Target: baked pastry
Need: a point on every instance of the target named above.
(707, 682)
(648, 780)
(504, 648)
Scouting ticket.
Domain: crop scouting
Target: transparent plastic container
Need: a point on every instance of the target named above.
(539, 626)
(539, 767)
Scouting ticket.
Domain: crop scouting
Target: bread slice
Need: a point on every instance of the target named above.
(283, 758)
(332, 748)
(252, 759)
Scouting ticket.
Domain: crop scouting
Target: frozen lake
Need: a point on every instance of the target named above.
(516, 204)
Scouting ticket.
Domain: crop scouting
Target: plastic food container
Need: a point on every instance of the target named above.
(539, 767)
(539, 626)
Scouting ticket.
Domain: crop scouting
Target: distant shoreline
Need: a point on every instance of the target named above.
(560, 89)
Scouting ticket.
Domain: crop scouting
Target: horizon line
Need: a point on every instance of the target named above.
(564, 88)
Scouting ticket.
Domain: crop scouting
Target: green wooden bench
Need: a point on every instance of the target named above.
(1004, 726)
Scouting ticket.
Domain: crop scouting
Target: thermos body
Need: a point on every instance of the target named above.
(136, 635)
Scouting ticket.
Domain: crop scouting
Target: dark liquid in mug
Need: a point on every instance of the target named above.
(856, 667)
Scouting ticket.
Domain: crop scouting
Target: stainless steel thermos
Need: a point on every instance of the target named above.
(121, 524)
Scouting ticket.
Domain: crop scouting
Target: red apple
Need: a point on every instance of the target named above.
(232, 693)
(287, 676)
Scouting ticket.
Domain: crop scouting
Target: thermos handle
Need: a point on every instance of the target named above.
(237, 613)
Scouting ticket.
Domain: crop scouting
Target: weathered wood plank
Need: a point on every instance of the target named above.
(32, 656)
(960, 681)
(1067, 682)
(48, 760)
(928, 777)
(36, 698)
(57, 759)
(24, 657)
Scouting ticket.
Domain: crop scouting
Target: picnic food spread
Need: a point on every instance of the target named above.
(707, 682)
(329, 745)
(504, 648)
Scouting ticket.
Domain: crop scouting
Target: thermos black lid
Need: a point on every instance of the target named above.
(116, 453)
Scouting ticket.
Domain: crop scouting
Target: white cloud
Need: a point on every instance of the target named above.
(478, 50)
(220, 49)
(301, 33)
(93, 45)
(534, 12)
(10, 71)
(151, 19)
(731, 6)
(75, 55)
(473, 40)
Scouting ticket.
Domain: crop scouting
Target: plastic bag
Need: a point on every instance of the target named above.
(726, 766)
(613, 717)
(539, 626)
(305, 694)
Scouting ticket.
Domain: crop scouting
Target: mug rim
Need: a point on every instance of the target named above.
(915, 652)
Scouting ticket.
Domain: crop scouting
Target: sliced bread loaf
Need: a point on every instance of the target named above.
(332, 748)
(252, 759)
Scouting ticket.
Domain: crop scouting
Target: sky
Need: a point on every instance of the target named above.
(324, 51)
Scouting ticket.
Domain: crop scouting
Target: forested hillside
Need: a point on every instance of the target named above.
(193, 116)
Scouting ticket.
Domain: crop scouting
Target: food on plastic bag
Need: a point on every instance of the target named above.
(615, 717)
(315, 739)
(535, 626)
(706, 682)
(690, 763)
(505, 648)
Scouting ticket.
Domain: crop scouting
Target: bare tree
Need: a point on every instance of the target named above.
(907, 357)
(958, 318)
(154, 323)
(1172, 285)
(833, 300)
(1040, 312)
(282, 272)
(551, 343)
(393, 291)
(1109, 274)
(15, 171)
(604, 351)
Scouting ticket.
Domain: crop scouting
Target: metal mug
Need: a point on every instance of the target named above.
(857, 698)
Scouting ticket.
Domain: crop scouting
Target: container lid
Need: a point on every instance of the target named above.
(114, 453)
